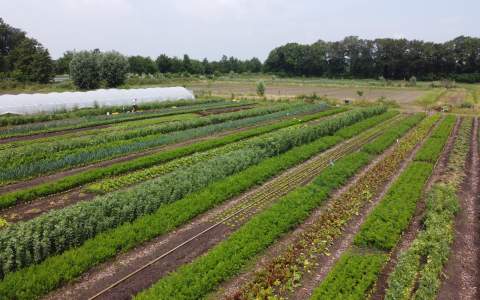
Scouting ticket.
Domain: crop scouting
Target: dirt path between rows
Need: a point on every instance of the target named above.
(415, 225)
(105, 274)
(324, 263)
(462, 271)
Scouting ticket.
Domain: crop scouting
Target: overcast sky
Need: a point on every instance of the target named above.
(241, 28)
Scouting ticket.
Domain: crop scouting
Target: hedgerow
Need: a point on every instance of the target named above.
(72, 181)
(30, 242)
(37, 280)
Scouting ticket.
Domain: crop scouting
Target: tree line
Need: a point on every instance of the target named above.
(25, 59)
(386, 58)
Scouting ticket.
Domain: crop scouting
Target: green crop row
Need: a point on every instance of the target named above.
(432, 246)
(112, 119)
(422, 263)
(382, 229)
(194, 280)
(385, 224)
(30, 242)
(285, 272)
(72, 181)
(352, 277)
(62, 146)
(33, 165)
(95, 114)
(229, 257)
(36, 280)
(434, 145)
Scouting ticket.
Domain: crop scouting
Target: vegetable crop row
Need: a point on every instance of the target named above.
(112, 119)
(284, 272)
(41, 163)
(380, 232)
(421, 264)
(30, 242)
(92, 113)
(72, 181)
(36, 280)
(204, 274)
(60, 145)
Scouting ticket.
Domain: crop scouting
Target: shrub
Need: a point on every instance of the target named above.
(261, 88)
(113, 68)
(85, 70)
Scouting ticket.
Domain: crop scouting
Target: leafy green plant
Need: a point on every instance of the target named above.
(39, 279)
(71, 226)
(352, 277)
(72, 181)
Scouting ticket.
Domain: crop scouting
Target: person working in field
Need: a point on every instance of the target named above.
(134, 107)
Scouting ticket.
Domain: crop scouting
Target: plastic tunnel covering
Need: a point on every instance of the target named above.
(34, 103)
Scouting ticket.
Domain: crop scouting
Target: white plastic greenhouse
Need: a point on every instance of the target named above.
(34, 103)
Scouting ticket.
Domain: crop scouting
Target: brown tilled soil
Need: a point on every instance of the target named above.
(215, 111)
(415, 225)
(324, 262)
(462, 271)
(402, 96)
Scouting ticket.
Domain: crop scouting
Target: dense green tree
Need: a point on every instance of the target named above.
(23, 58)
(113, 68)
(85, 70)
(142, 65)
(62, 65)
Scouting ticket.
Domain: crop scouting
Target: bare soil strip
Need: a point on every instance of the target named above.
(323, 263)
(106, 274)
(416, 223)
(462, 274)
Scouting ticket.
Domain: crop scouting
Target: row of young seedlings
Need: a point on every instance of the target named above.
(114, 119)
(30, 242)
(35, 160)
(204, 274)
(116, 169)
(283, 274)
(417, 274)
(357, 270)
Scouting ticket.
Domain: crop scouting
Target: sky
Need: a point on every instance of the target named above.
(240, 28)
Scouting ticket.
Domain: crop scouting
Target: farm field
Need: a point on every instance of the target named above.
(246, 197)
